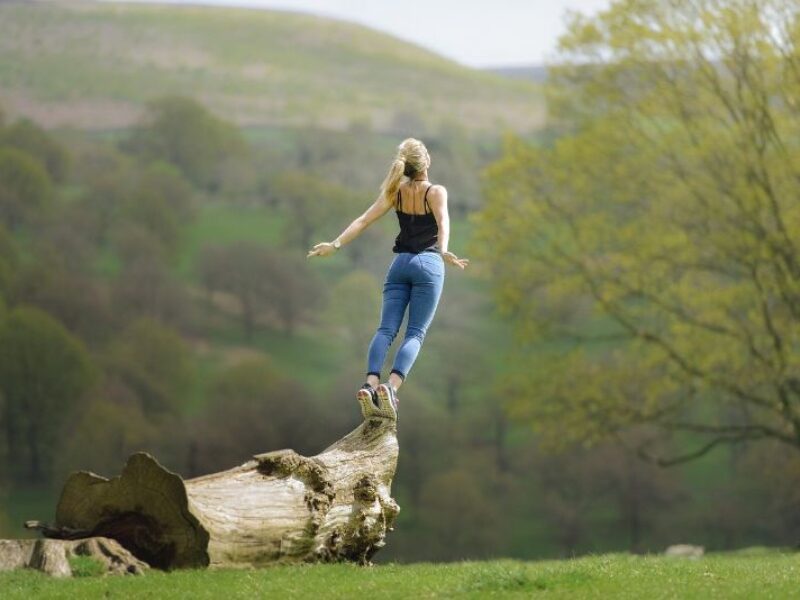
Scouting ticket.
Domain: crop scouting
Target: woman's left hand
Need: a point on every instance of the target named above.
(321, 249)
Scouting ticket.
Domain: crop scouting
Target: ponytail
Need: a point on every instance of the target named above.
(412, 157)
(391, 184)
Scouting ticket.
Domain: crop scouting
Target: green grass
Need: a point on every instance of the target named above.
(224, 224)
(86, 566)
(605, 576)
(92, 63)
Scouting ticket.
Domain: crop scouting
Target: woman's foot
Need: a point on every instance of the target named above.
(368, 399)
(388, 400)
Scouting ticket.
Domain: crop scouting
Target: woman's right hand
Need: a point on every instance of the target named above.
(321, 249)
(454, 260)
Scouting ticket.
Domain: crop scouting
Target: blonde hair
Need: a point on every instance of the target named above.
(412, 157)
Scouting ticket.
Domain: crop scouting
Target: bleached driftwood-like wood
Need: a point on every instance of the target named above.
(278, 506)
(52, 556)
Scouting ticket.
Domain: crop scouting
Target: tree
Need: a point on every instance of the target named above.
(154, 362)
(28, 137)
(314, 206)
(262, 280)
(111, 427)
(455, 160)
(154, 197)
(293, 291)
(351, 321)
(74, 298)
(44, 375)
(9, 261)
(460, 514)
(649, 257)
(25, 187)
(108, 178)
(240, 269)
(182, 132)
(252, 404)
(160, 202)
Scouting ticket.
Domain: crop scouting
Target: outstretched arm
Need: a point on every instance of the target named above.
(438, 202)
(372, 214)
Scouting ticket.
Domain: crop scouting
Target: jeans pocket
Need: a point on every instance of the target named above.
(432, 263)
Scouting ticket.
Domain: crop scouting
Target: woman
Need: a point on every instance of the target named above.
(416, 274)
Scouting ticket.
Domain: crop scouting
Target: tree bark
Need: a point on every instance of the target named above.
(278, 506)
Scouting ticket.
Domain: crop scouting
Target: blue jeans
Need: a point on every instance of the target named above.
(414, 281)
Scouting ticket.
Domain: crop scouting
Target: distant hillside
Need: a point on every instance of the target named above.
(536, 73)
(93, 65)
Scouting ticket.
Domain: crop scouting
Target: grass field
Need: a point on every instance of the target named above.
(768, 575)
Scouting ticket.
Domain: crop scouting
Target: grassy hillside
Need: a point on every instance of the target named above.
(770, 575)
(92, 65)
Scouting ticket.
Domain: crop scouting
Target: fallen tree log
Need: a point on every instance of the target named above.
(278, 506)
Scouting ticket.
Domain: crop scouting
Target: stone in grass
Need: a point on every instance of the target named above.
(685, 551)
(57, 557)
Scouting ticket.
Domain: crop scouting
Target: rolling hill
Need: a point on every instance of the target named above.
(93, 65)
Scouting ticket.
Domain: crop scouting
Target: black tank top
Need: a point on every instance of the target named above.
(418, 233)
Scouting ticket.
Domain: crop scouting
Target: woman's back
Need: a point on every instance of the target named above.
(419, 231)
(412, 198)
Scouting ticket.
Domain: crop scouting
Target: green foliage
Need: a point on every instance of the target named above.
(8, 261)
(155, 363)
(262, 280)
(108, 178)
(649, 256)
(351, 323)
(25, 187)
(182, 132)
(32, 139)
(253, 405)
(44, 375)
(111, 427)
(313, 205)
(453, 500)
(159, 202)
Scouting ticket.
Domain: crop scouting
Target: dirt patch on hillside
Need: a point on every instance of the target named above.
(82, 114)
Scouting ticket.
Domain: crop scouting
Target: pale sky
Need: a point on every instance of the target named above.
(472, 32)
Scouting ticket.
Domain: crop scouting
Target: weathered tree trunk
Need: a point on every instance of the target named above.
(279, 506)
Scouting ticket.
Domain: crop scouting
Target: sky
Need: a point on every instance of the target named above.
(472, 32)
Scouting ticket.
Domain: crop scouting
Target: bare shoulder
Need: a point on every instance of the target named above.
(437, 193)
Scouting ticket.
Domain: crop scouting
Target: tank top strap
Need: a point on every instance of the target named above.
(425, 199)
(397, 201)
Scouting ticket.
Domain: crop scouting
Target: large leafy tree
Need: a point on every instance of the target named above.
(649, 256)
(44, 375)
(183, 132)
